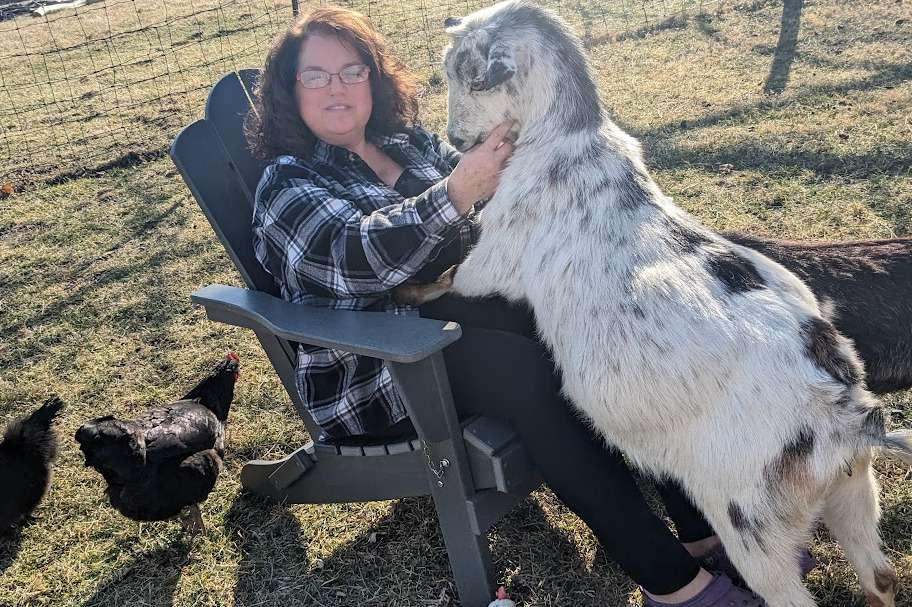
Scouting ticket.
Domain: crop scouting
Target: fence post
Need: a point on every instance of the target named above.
(294, 8)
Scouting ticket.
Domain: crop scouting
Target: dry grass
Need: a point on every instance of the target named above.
(86, 88)
(109, 83)
(96, 272)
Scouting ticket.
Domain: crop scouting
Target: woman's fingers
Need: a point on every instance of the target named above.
(477, 174)
(496, 136)
(503, 151)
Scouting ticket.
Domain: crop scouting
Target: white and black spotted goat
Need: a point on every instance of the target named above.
(701, 359)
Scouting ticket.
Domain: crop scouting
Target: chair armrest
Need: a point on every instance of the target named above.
(405, 339)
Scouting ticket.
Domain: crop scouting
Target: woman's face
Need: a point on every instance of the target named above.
(337, 113)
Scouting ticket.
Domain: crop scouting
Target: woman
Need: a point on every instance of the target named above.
(357, 200)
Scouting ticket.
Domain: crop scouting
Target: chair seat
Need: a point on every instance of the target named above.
(366, 446)
(497, 458)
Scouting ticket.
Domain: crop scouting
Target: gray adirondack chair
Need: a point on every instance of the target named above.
(476, 470)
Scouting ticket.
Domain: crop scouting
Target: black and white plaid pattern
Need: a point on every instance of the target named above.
(333, 234)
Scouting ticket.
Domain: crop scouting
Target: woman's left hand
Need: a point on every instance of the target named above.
(478, 173)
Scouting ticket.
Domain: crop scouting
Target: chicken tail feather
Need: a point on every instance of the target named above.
(33, 433)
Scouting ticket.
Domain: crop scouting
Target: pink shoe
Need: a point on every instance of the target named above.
(501, 599)
(721, 592)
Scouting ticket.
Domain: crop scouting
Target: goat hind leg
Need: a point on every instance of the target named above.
(765, 554)
(851, 513)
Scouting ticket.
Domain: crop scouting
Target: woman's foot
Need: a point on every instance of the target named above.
(720, 592)
(681, 596)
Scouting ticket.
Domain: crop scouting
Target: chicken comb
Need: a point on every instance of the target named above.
(231, 355)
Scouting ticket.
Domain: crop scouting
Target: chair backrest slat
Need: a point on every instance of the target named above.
(226, 108)
(204, 165)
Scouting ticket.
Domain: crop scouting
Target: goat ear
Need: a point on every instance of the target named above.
(451, 23)
(501, 66)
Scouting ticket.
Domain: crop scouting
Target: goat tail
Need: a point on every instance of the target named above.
(898, 445)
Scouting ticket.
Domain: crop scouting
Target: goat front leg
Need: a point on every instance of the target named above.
(491, 269)
(415, 295)
(487, 270)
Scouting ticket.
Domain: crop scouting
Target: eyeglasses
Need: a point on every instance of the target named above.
(317, 79)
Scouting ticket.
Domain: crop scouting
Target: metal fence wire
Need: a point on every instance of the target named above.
(87, 85)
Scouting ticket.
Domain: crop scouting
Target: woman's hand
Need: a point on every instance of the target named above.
(478, 172)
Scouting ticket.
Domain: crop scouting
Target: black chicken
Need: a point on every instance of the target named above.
(26, 454)
(164, 463)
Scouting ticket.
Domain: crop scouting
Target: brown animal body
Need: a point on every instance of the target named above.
(868, 283)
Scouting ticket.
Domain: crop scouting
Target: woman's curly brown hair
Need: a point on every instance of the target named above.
(274, 126)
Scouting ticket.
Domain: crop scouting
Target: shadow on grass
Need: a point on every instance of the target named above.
(145, 223)
(836, 592)
(400, 559)
(545, 567)
(10, 542)
(238, 456)
(675, 22)
(780, 162)
(132, 158)
(157, 302)
(149, 580)
(273, 560)
(274, 567)
(785, 48)
(886, 76)
(755, 155)
(896, 528)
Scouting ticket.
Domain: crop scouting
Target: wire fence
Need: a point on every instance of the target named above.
(86, 85)
(107, 83)
(415, 27)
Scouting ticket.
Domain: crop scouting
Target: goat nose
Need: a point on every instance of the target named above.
(456, 141)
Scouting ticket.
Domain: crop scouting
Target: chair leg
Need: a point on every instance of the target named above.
(470, 556)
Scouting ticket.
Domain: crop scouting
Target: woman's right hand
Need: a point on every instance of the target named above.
(478, 172)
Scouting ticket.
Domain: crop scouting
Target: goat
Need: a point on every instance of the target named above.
(703, 360)
(868, 286)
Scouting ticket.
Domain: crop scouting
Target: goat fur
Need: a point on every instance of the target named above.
(867, 287)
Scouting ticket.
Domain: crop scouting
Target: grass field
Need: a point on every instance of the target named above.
(804, 137)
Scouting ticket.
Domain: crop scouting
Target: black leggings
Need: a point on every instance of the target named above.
(499, 368)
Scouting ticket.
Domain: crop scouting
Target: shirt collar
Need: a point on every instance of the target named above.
(328, 153)
(385, 141)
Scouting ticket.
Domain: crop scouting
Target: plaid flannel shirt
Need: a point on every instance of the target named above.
(333, 234)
